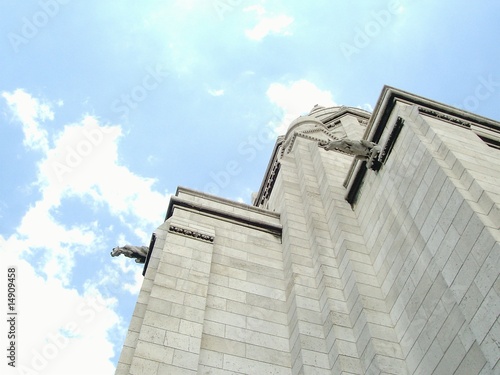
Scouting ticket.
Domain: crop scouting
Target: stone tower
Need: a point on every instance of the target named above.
(342, 265)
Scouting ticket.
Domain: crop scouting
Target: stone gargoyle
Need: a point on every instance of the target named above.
(139, 253)
(362, 149)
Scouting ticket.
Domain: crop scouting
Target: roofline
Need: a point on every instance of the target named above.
(274, 156)
(390, 95)
(199, 207)
(383, 109)
(343, 111)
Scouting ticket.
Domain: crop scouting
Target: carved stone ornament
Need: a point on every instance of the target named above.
(191, 233)
(306, 134)
(139, 253)
(446, 117)
(362, 150)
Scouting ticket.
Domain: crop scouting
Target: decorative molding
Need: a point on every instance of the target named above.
(288, 145)
(490, 141)
(362, 115)
(191, 233)
(488, 134)
(199, 208)
(268, 187)
(444, 116)
(333, 124)
(357, 182)
(151, 247)
(391, 140)
(272, 171)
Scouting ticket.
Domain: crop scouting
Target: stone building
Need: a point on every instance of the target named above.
(342, 265)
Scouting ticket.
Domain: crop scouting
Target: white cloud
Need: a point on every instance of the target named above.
(296, 99)
(84, 163)
(29, 112)
(267, 24)
(61, 325)
(213, 92)
(367, 107)
(111, 276)
(257, 8)
(126, 266)
(56, 326)
(246, 195)
(39, 230)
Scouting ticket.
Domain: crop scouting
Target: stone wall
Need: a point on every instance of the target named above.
(338, 318)
(431, 221)
(213, 298)
(402, 279)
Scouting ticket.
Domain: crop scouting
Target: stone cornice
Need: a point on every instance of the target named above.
(288, 145)
(490, 135)
(390, 96)
(226, 202)
(303, 121)
(349, 111)
(303, 127)
(267, 188)
(271, 174)
(391, 140)
(199, 207)
(443, 116)
(487, 129)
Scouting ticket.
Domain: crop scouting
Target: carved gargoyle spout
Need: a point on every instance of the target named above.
(362, 149)
(139, 253)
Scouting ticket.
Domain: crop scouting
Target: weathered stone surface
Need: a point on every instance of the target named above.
(336, 269)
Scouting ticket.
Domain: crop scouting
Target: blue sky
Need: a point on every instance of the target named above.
(107, 106)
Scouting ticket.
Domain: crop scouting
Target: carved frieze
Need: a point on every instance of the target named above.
(444, 116)
(288, 145)
(268, 187)
(191, 233)
(391, 140)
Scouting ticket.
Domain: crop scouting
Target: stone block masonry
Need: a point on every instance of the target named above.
(213, 298)
(434, 244)
(336, 268)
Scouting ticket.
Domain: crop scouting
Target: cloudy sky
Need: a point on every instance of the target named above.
(106, 106)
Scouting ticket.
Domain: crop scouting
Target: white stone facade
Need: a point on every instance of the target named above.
(337, 269)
